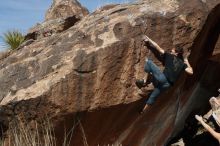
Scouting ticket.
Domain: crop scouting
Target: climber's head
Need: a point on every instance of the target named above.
(177, 51)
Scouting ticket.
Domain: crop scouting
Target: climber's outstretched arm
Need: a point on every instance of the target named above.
(208, 128)
(153, 44)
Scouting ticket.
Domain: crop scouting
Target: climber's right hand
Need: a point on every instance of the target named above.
(145, 39)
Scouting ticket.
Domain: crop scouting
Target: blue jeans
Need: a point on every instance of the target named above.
(160, 81)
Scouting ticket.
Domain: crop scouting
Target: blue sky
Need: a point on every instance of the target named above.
(23, 14)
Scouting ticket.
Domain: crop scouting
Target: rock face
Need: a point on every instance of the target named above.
(62, 15)
(65, 8)
(86, 74)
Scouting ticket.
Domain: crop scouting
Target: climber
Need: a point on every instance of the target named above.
(215, 134)
(215, 111)
(173, 62)
(212, 115)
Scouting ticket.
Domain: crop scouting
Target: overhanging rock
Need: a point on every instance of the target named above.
(92, 66)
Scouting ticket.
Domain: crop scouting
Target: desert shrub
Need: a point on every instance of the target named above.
(13, 39)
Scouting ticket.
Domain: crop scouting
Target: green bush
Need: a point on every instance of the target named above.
(13, 39)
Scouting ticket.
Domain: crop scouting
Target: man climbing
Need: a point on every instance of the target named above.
(173, 62)
(214, 116)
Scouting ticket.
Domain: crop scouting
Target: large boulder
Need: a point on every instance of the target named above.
(62, 15)
(87, 73)
(65, 8)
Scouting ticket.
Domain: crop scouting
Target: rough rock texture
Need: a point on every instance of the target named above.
(85, 75)
(62, 15)
(50, 27)
(66, 8)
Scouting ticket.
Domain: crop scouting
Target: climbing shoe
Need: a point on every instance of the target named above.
(140, 83)
(141, 112)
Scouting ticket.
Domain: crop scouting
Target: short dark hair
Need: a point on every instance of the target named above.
(179, 49)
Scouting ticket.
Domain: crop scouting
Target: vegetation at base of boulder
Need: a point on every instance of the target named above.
(33, 134)
(13, 39)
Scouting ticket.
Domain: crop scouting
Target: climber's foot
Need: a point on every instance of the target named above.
(140, 83)
(141, 111)
(144, 109)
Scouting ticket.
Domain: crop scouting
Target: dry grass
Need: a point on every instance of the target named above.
(21, 134)
(40, 134)
(34, 134)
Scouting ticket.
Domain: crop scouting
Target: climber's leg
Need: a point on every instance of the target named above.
(149, 68)
(153, 69)
(159, 88)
